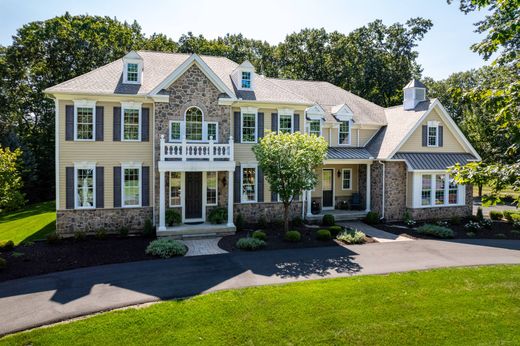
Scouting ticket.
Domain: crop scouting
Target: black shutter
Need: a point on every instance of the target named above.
(100, 187)
(260, 185)
(145, 186)
(100, 119)
(236, 192)
(237, 127)
(117, 187)
(425, 136)
(145, 126)
(441, 136)
(296, 120)
(117, 124)
(274, 122)
(260, 125)
(69, 123)
(69, 187)
(274, 197)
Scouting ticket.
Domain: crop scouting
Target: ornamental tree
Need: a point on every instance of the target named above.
(289, 162)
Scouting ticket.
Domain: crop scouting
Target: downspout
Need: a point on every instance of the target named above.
(383, 195)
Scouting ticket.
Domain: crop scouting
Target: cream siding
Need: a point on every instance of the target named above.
(338, 191)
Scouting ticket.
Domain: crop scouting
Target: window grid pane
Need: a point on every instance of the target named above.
(439, 189)
(452, 192)
(426, 190)
(85, 123)
(314, 127)
(131, 186)
(346, 179)
(432, 136)
(285, 123)
(246, 80)
(175, 188)
(211, 190)
(175, 131)
(249, 185)
(194, 124)
(85, 188)
(131, 124)
(212, 131)
(131, 74)
(344, 132)
(248, 127)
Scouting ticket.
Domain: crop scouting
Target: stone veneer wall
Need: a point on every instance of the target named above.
(445, 212)
(362, 184)
(70, 221)
(395, 189)
(252, 212)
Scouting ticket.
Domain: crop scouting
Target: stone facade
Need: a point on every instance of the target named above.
(395, 189)
(272, 212)
(445, 212)
(70, 221)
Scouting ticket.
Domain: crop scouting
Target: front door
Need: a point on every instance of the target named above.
(193, 197)
(327, 188)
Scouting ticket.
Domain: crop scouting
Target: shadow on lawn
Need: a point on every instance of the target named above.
(42, 233)
(31, 210)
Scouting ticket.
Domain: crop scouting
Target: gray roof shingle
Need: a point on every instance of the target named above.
(433, 161)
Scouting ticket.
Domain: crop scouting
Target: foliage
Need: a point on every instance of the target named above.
(473, 226)
(172, 217)
(123, 231)
(351, 236)
(297, 221)
(6, 245)
(251, 244)
(442, 223)
(101, 233)
(80, 235)
(11, 197)
(53, 238)
(328, 220)
(486, 223)
(436, 231)
(496, 215)
(292, 236)
(335, 230)
(407, 219)
(3, 263)
(262, 222)
(289, 162)
(218, 216)
(455, 220)
(471, 234)
(516, 225)
(166, 248)
(149, 229)
(239, 222)
(372, 218)
(259, 235)
(323, 234)
(480, 214)
(510, 214)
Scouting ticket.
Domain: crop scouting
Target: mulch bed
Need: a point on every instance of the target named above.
(497, 228)
(41, 257)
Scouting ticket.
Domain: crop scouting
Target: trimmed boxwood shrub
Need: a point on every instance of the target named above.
(123, 231)
(480, 214)
(218, 216)
(496, 215)
(172, 217)
(166, 248)
(328, 220)
(335, 230)
(148, 229)
(80, 235)
(436, 231)
(3, 263)
(259, 235)
(323, 234)
(351, 236)
(101, 233)
(250, 244)
(372, 218)
(6, 245)
(297, 221)
(53, 238)
(239, 222)
(292, 236)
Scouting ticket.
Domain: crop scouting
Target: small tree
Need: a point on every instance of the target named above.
(11, 198)
(289, 162)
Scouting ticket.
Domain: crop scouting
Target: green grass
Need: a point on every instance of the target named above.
(33, 222)
(486, 190)
(463, 306)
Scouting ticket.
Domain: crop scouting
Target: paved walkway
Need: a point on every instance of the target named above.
(201, 247)
(377, 234)
(39, 300)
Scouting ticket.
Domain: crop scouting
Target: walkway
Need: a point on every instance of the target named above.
(377, 234)
(202, 247)
(35, 301)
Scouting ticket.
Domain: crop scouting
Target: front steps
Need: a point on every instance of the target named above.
(196, 231)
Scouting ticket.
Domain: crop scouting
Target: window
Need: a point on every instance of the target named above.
(426, 192)
(175, 131)
(246, 80)
(439, 189)
(346, 175)
(315, 127)
(84, 123)
(344, 132)
(248, 184)
(248, 128)
(85, 192)
(452, 192)
(132, 72)
(194, 119)
(175, 189)
(212, 130)
(211, 188)
(285, 123)
(131, 124)
(432, 135)
(131, 186)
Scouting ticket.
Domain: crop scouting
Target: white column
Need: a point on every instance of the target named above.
(368, 189)
(309, 202)
(162, 210)
(230, 199)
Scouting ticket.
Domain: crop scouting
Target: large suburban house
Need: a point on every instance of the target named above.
(157, 131)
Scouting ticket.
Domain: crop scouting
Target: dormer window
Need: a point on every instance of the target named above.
(244, 76)
(132, 74)
(246, 80)
(132, 68)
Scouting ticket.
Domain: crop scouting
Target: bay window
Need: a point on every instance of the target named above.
(439, 189)
(426, 190)
(436, 190)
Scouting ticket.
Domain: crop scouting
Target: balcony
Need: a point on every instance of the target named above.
(196, 151)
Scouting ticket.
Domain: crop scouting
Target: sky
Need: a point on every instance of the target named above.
(445, 48)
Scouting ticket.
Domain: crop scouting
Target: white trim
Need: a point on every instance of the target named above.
(417, 191)
(432, 125)
(248, 110)
(343, 179)
(333, 190)
(84, 165)
(349, 133)
(57, 152)
(206, 131)
(131, 165)
(314, 112)
(285, 112)
(170, 131)
(206, 189)
(131, 106)
(248, 165)
(84, 104)
(139, 64)
(342, 112)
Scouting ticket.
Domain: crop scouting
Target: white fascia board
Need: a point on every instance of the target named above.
(196, 166)
(346, 161)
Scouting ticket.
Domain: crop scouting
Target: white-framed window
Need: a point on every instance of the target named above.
(246, 80)
(131, 185)
(432, 134)
(315, 127)
(248, 179)
(346, 179)
(175, 189)
(84, 120)
(344, 133)
(437, 190)
(131, 121)
(453, 192)
(85, 186)
(440, 186)
(426, 189)
(132, 72)
(249, 125)
(175, 131)
(194, 123)
(211, 188)
(212, 131)
(285, 123)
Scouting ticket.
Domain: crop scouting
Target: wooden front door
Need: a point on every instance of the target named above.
(193, 203)
(327, 188)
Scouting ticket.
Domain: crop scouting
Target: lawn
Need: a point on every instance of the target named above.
(486, 190)
(33, 222)
(463, 306)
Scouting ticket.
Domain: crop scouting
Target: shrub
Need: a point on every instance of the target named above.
(510, 215)
(486, 223)
(496, 215)
(456, 220)
(6, 245)
(53, 238)
(172, 217)
(123, 231)
(3, 263)
(407, 219)
(80, 235)
(471, 234)
(501, 236)
(250, 244)
(372, 218)
(516, 225)
(436, 231)
(328, 220)
(335, 230)
(473, 226)
(323, 234)
(297, 221)
(101, 233)
(442, 223)
(480, 214)
(259, 235)
(351, 236)
(515, 232)
(148, 229)
(262, 222)
(166, 248)
(218, 216)
(239, 222)
(292, 236)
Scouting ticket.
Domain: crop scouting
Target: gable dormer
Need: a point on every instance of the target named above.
(244, 76)
(132, 68)
(414, 92)
(342, 112)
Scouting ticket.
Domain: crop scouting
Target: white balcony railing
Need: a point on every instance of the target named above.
(197, 151)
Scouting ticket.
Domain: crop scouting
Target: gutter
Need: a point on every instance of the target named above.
(383, 195)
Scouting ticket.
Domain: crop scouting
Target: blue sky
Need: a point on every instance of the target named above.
(444, 50)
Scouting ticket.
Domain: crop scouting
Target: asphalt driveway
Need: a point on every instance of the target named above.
(35, 301)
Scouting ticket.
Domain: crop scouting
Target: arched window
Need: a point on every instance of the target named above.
(194, 120)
